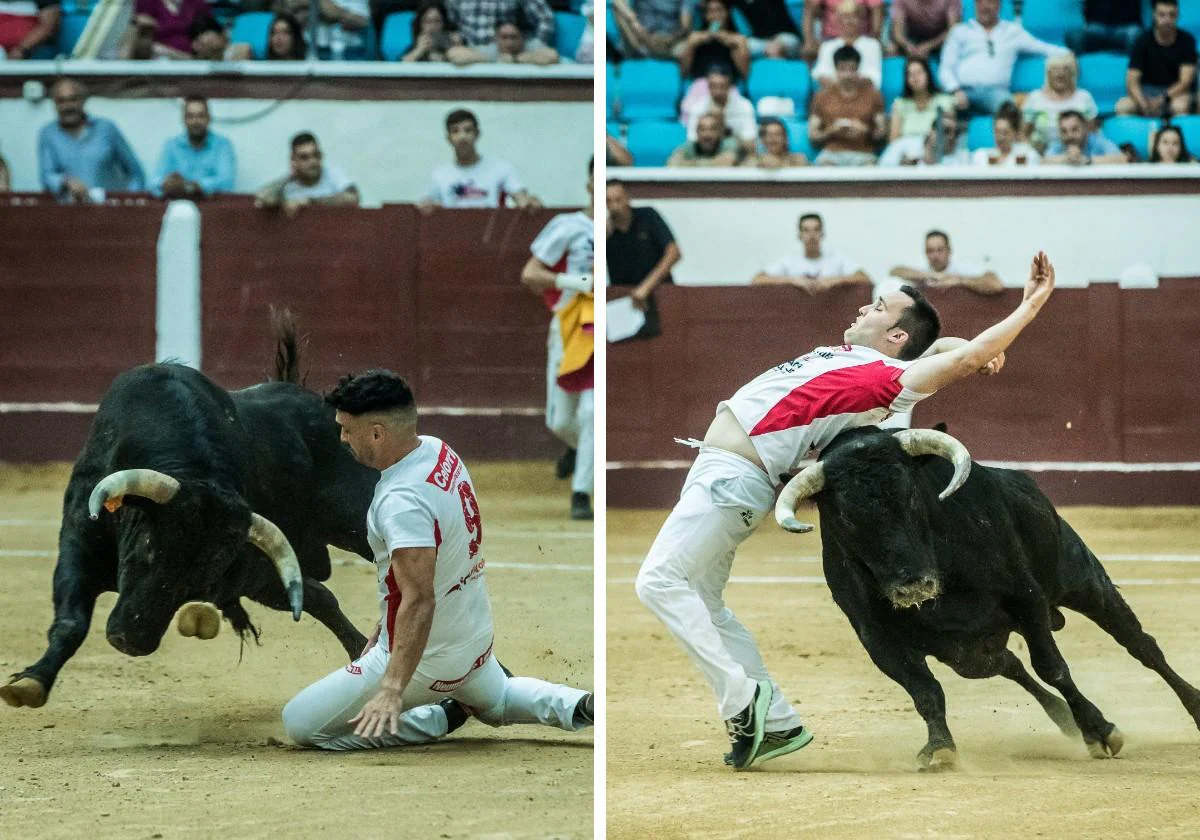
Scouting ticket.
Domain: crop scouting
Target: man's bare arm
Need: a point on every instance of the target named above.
(932, 373)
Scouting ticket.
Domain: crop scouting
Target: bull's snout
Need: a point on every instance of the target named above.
(131, 647)
(914, 592)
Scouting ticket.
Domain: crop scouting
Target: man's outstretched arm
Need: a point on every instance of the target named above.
(931, 373)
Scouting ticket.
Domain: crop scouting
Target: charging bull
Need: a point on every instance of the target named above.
(185, 492)
(928, 556)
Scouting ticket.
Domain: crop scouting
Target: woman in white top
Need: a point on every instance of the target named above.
(1059, 93)
(1006, 127)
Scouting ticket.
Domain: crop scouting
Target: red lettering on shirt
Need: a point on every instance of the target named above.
(447, 468)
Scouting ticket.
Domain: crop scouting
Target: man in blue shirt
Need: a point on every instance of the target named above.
(198, 162)
(1077, 145)
(79, 152)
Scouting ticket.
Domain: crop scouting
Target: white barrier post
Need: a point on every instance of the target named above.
(177, 318)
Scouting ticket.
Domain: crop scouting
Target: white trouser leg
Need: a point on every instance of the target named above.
(499, 700)
(585, 454)
(723, 500)
(319, 716)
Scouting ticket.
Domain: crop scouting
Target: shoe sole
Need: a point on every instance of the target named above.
(761, 704)
(797, 743)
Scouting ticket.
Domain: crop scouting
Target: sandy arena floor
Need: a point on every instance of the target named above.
(182, 743)
(1019, 777)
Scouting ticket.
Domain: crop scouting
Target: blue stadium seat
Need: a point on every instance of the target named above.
(70, 30)
(779, 77)
(893, 79)
(610, 91)
(1190, 126)
(1135, 130)
(651, 143)
(1103, 76)
(568, 30)
(979, 134)
(612, 30)
(796, 10)
(253, 28)
(1029, 73)
(798, 138)
(397, 35)
(649, 90)
(1050, 20)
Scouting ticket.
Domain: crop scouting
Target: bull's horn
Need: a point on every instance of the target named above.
(149, 484)
(806, 483)
(929, 442)
(267, 537)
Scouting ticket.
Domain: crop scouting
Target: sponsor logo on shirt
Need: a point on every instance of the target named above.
(354, 669)
(474, 574)
(467, 189)
(448, 467)
(451, 685)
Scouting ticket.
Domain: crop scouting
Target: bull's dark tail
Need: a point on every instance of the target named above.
(287, 347)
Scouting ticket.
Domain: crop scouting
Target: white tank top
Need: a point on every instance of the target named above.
(795, 409)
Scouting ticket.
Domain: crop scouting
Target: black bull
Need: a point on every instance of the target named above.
(185, 492)
(951, 579)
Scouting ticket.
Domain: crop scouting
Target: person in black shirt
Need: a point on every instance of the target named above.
(641, 248)
(715, 44)
(773, 33)
(1162, 67)
(1111, 25)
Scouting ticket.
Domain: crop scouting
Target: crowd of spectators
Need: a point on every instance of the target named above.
(958, 78)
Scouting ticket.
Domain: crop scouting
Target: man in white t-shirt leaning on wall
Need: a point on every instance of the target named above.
(472, 180)
(816, 270)
(311, 181)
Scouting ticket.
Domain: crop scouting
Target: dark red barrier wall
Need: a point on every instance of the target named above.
(435, 297)
(1103, 374)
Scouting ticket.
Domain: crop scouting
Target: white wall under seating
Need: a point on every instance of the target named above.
(387, 148)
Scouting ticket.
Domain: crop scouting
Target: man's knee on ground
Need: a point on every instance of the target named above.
(299, 727)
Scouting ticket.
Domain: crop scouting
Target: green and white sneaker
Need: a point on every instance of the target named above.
(775, 744)
(747, 728)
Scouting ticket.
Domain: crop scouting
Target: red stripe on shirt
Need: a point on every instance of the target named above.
(848, 390)
(394, 597)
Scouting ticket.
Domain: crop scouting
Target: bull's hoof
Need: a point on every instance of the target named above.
(200, 620)
(937, 758)
(1109, 747)
(24, 691)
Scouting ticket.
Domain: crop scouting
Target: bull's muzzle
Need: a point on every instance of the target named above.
(913, 593)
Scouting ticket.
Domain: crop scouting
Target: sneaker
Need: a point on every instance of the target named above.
(746, 728)
(775, 744)
(585, 711)
(581, 506)
(565, 465)
(456, 713)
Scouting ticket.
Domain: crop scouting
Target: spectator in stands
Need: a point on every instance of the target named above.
(1078, 145)
(816, 270)
(941, 146)
(847, 118)
(920, 27)
(311, 181)
(1010, 150)
(652, 28)
(162, 28)
(1170, 147)
(508, 47)
(616, 154)
(5, 176)
(870, 22)
(870, 51)
(724, 99)
(479, 20)
(774, 148)
(918, 105)
(1109, 25)
(712, 147)
(78, 152)
(717, 45)
(641, 248)
(1162, 67)
(286, 40)
(432, 38)
(25, 26)
(773, 32)
(979, 55)
(344, 26)
(197, 163)
(472, 180)
(585, 53)
(944, 272)
(1060, 93)
(210, 42)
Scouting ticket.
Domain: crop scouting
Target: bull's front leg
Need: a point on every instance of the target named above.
(907, 667)
(77, 583)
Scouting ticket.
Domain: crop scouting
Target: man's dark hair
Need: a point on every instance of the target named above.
(195, 98)
(847, 53)
(205, 24)
(372, 390)
(459, 115)
(303, 139)
(1065, 115)
(774, 121)
(808, 216)
(1174, 3)
(615, 182)
(921, 322)
(940, 233)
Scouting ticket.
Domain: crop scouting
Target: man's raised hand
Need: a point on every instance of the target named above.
(1041, 280)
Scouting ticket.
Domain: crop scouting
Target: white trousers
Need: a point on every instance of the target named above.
(319, 715)
(683, 578)
(569, 415)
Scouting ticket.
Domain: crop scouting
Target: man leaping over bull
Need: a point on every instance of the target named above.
(891, 360)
